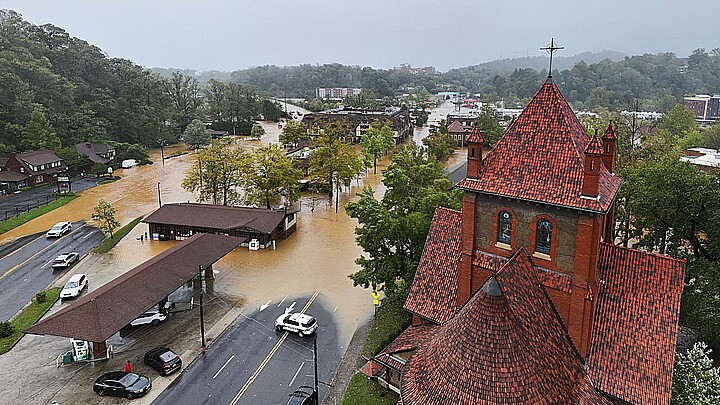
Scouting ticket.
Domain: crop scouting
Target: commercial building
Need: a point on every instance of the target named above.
(336, 93)
(357, 121)
(706, 108)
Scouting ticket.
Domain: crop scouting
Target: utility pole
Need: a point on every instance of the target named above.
(162, 150)
(202, 320)
(159, 198)
(315, 393)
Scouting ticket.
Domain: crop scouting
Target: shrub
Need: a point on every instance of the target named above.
(6, 329)
(40, 297)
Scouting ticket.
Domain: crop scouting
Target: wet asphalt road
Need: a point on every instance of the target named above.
(251, 363)
(12, 204)
(26, 269)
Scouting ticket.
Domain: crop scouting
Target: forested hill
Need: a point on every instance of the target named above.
(539, 63)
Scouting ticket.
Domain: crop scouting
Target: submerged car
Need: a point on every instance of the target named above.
(162, 359)
(58, 230)
(74, 286)
(302, 324)
(148, 317)
(122, 384)
(65, 260)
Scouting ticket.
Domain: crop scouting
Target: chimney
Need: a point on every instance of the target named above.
(593, 160)
(474, 158)
(609, 141)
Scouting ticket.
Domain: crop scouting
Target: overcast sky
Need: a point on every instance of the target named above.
(235, 34)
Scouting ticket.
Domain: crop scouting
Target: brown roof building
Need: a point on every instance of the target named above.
(182, 220)
(357, 121)
(522, 296)
(38, 167)
(96, 152)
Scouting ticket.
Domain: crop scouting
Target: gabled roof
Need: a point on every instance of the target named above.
(506, 345)
(9, 176)
(594, 147)
(93, 151)
(101, 313)
(633, 350)
(540, 158)
(217, 217)
(455, 127)
(610, 133)
(410, 339)
(38, 158)
(432, 295)
(476, 136)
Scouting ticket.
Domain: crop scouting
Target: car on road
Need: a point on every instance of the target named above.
(58, 230)
(149, 317)
(304, 395)
(122, 384)
(302, 324)
(74, 286)
(65, 260)
(162, 359)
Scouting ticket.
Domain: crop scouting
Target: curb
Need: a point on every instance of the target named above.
(350, 363)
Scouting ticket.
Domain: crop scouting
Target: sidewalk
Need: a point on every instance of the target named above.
(350, 363)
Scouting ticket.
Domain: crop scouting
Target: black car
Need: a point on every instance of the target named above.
(162, 359)
(122, 384)
(304, 395)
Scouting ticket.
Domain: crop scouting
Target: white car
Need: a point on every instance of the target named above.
(65, 260)
(150, 317)
(74, 286)
(302, 324)
(58, 230)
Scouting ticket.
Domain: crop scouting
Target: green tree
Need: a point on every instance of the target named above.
(257, 131)
(392, 231)
(334, 162)
(270, 177)
(104, 214)
(293, 133)
(38, 133)
(439, 143)
(196, 135)
(695, 380)
(489, 125)
(184, 92)
(217, 173)
(375, 142)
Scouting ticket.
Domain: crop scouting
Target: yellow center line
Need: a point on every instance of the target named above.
(268, 357)
(31, 257)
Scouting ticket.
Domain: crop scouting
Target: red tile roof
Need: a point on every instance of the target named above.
(506, 345)
(408, 340)
(540, 158)
(476, 136)
(636, 324)
(594, 147)
(610, 133)
(432, 295)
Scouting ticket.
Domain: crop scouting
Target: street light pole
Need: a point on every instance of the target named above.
(202, 320)
(159, 198)
(162, 150)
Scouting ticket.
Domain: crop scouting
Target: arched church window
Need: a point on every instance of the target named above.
(504, 234)
(544, 236)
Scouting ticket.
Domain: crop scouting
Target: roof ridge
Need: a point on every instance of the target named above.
(647, 252)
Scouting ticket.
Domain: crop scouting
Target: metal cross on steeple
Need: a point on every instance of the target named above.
(551, 49)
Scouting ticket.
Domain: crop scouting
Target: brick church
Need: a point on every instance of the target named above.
(522, 297)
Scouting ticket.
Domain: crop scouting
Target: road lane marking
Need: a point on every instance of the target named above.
(265, 305)
(281, 301)
(23, 246)
(335, 309)
(268, 357)
(43, 266)
(33, 256)
(88, 235)
(296, 374)
(224, 365)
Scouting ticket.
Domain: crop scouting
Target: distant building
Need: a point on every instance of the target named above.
(706, 108)
(705, 159)
(37, 168)
(428, 70)
(458, 132)
(96, 152)
(358, 121)
(336, 93)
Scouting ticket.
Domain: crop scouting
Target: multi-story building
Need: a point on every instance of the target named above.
(706, 108)
(336, 93)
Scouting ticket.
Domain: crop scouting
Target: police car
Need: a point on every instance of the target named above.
(302, 324)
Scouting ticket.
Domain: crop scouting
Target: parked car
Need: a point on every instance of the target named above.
(162, 359)
(65, 260)
(153, 317)
(74, 286)
(128, 163)
(303, 324)
(122, 384)
(304, 395)
(58, 230)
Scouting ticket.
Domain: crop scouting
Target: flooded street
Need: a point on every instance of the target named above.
(319, 256)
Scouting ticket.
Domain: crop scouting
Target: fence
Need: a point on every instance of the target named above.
(25, 207)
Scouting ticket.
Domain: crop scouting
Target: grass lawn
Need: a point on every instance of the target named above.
(13, 223)
(27, 317)
(364, 391)
(390, 320)
(109, 243)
